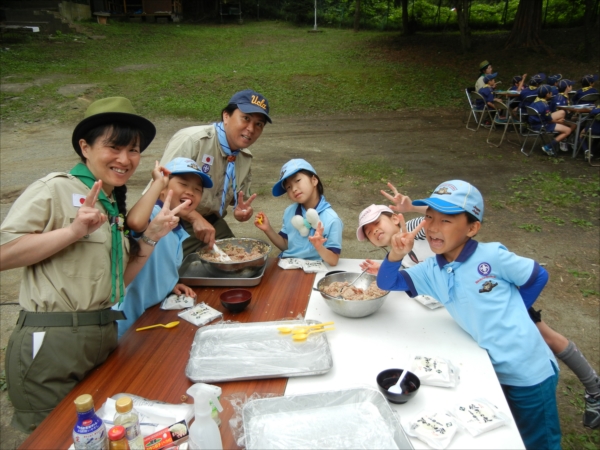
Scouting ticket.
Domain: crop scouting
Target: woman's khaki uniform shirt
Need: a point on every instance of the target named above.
(77, 278)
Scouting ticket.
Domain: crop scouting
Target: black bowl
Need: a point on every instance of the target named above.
(236, 300)
(410, 385)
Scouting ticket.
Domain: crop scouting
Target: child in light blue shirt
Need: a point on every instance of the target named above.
(303, 235)
(481, 287)
(159, 277)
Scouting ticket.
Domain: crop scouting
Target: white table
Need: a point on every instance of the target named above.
(363, 347)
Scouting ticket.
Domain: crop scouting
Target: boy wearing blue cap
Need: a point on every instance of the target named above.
(222, 151)
(160, 275)
(487, 290)
(311, 228)
(552, 121)
(487, 92)
(531, 89)
(587, 87)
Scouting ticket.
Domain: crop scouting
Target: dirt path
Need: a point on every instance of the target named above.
(424, 148)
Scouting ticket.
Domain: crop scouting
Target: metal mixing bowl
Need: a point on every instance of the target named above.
(235, 269)
(351, 308)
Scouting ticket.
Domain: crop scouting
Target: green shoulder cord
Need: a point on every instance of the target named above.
(83, 173)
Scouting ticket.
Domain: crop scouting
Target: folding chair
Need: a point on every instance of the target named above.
(589, 99)
(523, 115)
(539, 134)
(587, 134)
(500, 107)
(473, 96)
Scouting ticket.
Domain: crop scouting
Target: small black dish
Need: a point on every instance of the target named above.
(236, 300)
(410, 385)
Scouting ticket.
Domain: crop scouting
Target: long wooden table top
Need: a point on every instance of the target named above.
(152, 363)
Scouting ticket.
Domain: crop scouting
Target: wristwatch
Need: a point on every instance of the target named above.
(148, 241)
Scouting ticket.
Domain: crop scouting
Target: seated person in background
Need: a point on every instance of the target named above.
(549, 120)
(487, 92)
(587, 87)
(517, 82)
(485, 68)
(562, 99)
(594, 126)
(553, 83)
(159, 277)
(531, 89)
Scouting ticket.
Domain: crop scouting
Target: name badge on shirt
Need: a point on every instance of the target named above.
(78, 200)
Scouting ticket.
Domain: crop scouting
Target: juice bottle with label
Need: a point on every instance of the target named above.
(89, 432)
(117, 439)
(128, 417)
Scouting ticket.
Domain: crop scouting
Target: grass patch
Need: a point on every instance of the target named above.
(531, 228)
(586, 439)
(192, 71)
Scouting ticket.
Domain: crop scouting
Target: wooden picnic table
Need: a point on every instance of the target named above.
(152, 363)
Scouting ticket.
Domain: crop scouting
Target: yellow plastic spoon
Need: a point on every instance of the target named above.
(302, 328)
(169, 325)
(304, 336)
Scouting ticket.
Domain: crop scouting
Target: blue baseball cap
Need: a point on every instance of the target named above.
(553, 79)
(489, 77)
(543, 91)
(563, 84)
(517, 79)
(588, 80)
(290, 168)
(455, 197)
(537, 79)
(249, 101)
(180, 166)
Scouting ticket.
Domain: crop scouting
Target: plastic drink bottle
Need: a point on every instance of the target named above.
(89, 432)
(117, 439)
(128, 417)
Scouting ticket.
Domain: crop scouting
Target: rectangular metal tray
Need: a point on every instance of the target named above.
(250, 351)
(349, 418)
(193, 273)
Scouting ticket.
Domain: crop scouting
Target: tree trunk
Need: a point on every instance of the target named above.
(591, 19)
(528, 24)
(462, 13)
(405, 20)
(357, 16)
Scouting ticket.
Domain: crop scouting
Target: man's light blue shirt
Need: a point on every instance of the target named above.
(299, 246)
(156, 279)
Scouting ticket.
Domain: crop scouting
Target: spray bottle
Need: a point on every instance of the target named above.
(204, 432)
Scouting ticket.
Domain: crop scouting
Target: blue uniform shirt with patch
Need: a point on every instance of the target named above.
(488, 94)
(480, 292)
(299, 246)
(156, 279)
(582, 92)
(543, 108)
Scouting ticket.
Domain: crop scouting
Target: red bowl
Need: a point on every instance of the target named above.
(236, 300)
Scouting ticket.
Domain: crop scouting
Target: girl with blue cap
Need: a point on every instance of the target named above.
(311, 228)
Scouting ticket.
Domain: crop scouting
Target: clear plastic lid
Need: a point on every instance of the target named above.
(124, 404)
(84, 403)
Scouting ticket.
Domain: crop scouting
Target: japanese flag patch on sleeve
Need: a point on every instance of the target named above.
(78, 200)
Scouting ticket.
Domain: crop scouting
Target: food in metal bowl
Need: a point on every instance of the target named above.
(252, 252)
(342, 289)
(351, 308)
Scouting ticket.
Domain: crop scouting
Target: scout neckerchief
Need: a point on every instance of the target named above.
(83, 173)
(586, 88)
(538, 99)
(230, 172)
(566, 96)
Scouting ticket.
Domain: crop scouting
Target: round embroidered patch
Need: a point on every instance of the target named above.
(205, 168)
(484, 268)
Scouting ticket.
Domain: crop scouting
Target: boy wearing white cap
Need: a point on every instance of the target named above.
(159, 276)
(487, 290)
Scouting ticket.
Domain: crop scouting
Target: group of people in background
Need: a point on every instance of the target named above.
(97, 266)
(545, 95)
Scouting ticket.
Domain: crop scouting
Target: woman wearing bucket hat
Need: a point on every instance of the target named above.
(66, 231)
(221, 150)
(485, 68)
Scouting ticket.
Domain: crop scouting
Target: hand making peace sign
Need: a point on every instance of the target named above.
(165, 220)
(88, 218)
(243, 211)
(403, 241)
(402, 203)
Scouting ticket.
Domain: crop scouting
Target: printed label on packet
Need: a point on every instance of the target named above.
(200, 314)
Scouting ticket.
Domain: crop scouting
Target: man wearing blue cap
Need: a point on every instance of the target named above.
(221, 151)
(487, 290)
